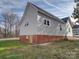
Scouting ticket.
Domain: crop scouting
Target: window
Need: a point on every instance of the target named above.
(60, 28)
(46, 22)
(69, 29)
(77, 4)
(26, 24)
(76, 32)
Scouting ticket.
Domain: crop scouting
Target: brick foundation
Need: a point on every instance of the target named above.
(37, 39)
(24, 39)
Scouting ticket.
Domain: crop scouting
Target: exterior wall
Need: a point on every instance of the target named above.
(52, 29)
(36, 26)
(28, 26)
(69, 31)
(33, 29)
(37, 39)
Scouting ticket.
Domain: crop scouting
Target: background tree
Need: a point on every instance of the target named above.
(10, 21)
(76, 10)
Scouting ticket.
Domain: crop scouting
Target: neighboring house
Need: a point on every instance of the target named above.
(39, 26)
(76, 30)
(68, 27)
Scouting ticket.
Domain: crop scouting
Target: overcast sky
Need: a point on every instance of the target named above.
(60, 8)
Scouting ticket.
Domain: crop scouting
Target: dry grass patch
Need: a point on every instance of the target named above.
(55, 50)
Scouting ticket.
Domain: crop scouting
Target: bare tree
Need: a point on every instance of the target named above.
(17, 28)
(5, 16)
(10, 20)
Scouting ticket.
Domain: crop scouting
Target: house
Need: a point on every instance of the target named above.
(68, 27)
(76, 30)
(39, 26)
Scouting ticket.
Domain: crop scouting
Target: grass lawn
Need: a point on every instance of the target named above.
(56, 50)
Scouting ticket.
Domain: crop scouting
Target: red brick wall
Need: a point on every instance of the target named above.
(36, 39)
(45, 38)
(24, 39)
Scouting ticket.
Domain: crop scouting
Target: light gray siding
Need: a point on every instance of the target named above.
(52, 29)
(68, 27)
(33, 24)
(30, 17)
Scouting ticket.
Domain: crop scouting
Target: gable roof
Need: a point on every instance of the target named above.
(68, 19)
(65, 19)
(42, 11)
(47, 13)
